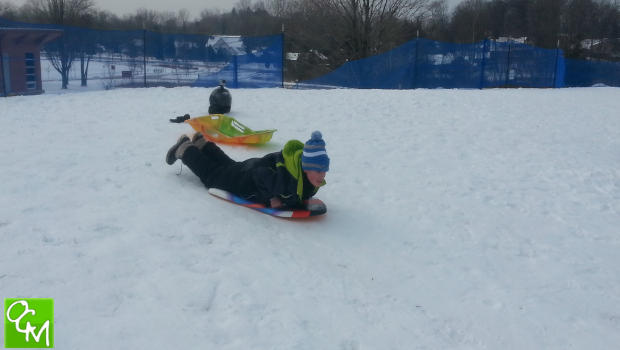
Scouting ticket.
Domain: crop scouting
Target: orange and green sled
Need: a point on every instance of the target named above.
(225, 129)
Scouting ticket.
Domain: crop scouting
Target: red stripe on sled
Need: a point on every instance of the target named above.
(301, 214)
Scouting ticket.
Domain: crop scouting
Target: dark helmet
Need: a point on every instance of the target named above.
(220, 100)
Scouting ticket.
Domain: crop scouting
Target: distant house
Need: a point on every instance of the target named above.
(20, 59)
(506, 39)
(589, 44)
(292, 56)
(184, 44)
(604, 48)
(232, 45)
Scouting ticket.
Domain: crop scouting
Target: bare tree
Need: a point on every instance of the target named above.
(544, 20)
(146, 19)
(183, 19)
(469, 21)
(515, 18)
(243, 5)
(367, 25)
(282, 8)
(578, 24)
(436, 25)
(8, 10)
(62, 12)
(66, 49)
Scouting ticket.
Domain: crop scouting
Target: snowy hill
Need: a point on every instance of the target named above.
(457, 219)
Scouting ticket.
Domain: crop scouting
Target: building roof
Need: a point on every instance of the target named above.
(18, 35)
(31, 29)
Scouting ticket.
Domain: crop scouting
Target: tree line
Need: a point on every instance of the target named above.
(327, 33)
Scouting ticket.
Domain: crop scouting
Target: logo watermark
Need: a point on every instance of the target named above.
(28, 323)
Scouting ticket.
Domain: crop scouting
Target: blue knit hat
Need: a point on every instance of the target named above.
(314, 156)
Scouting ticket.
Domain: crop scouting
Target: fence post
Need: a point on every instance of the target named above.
(283, 56)
(508, 64)
(2, 70)
(555, 66)
(415, 61)
(482, 65)
(235, 73)
(144, 49)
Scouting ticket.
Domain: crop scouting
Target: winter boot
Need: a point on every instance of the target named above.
(176, 152)
(199, 140)
(197, 135)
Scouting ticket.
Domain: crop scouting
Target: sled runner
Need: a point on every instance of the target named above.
(313, 207)
(225, 129)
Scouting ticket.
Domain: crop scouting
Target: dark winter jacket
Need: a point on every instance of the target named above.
(277, 174)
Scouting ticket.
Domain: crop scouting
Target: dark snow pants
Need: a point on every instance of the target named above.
(217, 170)
(208, 163)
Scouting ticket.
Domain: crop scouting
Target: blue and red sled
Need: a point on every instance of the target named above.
(313, 206)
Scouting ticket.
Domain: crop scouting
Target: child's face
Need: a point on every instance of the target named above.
(315, 177)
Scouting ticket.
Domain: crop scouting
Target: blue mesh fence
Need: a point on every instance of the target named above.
(423, 63)
(521, 65)
(260, 66)
(146, 58)
(589, 73)
(444, 65)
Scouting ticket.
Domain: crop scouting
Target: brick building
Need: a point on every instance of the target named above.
(20, 62)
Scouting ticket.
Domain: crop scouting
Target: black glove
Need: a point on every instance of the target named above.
(180, 119)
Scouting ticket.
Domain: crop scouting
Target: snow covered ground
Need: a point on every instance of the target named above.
(105, 72)
(457, 219)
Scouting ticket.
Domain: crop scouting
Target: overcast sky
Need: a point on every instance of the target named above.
(122, 7)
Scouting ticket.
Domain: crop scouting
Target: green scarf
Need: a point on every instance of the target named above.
(292, 152)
